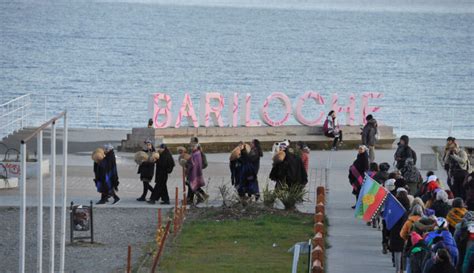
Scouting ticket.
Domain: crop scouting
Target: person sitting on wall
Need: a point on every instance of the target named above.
(331, 129)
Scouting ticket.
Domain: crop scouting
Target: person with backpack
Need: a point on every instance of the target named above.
(442, 234)
(412, 176)
(369, 136)
(404, 151)
(164, 166)
(331, 129)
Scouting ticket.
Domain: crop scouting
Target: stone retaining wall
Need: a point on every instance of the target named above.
(215, 139)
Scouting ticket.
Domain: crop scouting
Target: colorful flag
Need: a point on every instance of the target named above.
(370, 200)
(393, 211)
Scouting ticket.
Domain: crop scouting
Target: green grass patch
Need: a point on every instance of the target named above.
(211, 242)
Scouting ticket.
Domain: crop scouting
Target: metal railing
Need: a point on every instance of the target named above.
(38, 133)
(14, 115)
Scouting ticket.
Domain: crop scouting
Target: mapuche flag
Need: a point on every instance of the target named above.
(371, 198)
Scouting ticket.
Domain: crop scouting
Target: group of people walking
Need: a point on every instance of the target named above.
(436, 233)
(152, 162)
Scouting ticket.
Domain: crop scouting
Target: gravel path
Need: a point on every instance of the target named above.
(114, 230)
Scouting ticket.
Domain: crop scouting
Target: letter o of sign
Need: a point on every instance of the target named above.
(299, 105)
(286, 104)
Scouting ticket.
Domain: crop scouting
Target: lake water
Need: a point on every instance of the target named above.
(106, 57)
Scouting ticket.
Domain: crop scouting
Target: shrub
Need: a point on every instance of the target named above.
(290, 196)
(268, 197)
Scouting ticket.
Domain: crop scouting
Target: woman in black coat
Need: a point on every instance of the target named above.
(146, 171)
(164, 166)
(357, 171)
(397, 243)
(404, 151)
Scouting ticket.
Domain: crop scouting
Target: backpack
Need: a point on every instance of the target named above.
(326, 127)
(204, 160)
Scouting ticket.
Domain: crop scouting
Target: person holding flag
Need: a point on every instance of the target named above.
(357, 171)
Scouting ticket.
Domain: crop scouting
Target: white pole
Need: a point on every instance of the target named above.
(52, 208)
(21, 268)
(64, 195)
(39, 140)
(296, 256)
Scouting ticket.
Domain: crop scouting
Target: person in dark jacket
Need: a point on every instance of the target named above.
(469, 190)
(441, 206)
(357, 171)
(255, 154)
(382, 175)
(247, 183)
(288, 169)
(106, 176)
(404, 151)
(369, 133)
(164, 167)
(396, 242)
(146, 170)
(412, 175)
(442, 263)
(417, 253)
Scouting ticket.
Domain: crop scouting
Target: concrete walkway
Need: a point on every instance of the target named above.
(355, 247)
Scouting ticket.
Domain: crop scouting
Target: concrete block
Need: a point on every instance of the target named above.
(429, 162)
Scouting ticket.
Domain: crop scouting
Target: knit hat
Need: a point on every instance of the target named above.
(431, 178)
(415, 238)
(442, 195)
(390, 184)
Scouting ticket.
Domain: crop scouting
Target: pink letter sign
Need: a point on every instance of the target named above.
(245, 114)
(211, 112)
(234, 110)
(187, 111)
(299, 105)
(158, 110)
(366, 109)
(349, 109)
(264, 110)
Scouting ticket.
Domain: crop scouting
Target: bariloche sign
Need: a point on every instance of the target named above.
(212, 105)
